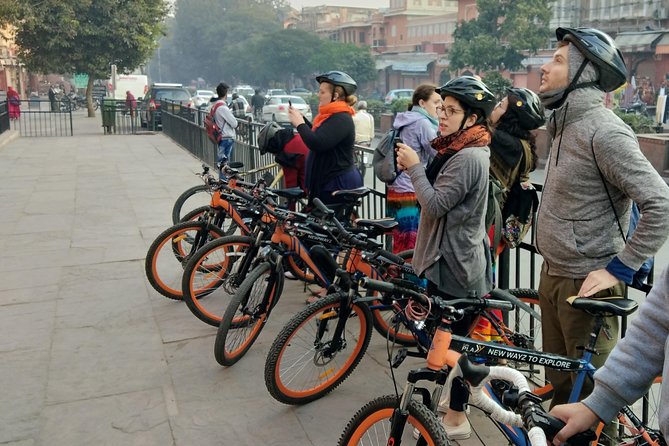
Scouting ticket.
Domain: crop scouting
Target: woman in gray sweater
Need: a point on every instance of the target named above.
(452, 249)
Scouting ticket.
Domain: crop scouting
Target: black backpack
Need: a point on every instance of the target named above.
(383, 161)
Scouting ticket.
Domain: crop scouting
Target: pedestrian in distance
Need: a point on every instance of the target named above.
(52, 98)
(330, 139)
(452, 250)
(364, 125)
(594, 170)
(633, 365)
(257, 103)
(227, 124)
(130, 103)
(418, 128)
(237, 106)
(14, 101)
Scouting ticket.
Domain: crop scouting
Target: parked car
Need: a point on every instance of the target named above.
(276, 108)
(401, 93)
(301, 92)
(244, 90)
(276, 92)
(202, 97)
(150, 109)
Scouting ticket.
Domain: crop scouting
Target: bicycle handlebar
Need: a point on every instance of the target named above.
(532, 415)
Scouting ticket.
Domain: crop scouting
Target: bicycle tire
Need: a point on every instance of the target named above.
(240, 327)
(381, 319)
(178, 211)
(203, 283)
(301, 344)
(195, 214)
(372, 422)
(164, 272)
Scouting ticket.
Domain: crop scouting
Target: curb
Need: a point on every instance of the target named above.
(8, 136)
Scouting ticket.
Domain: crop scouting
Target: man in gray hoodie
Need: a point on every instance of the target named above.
(594, 170)
(634, 364)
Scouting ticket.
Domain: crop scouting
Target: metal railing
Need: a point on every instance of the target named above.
(187, 130)
(41, 117)
(119, 119)
(4, 116)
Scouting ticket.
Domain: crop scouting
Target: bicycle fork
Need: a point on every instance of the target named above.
(401, 413)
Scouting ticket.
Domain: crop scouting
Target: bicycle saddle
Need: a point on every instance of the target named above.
(616, 306)
(353, 193)
(290, 193)
(382, 224)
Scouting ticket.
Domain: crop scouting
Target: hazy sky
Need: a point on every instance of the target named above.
(298, 4)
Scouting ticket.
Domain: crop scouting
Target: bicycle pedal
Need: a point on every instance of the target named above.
(399, 358)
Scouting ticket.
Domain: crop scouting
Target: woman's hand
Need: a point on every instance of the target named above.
(406, 156)
(295, 116)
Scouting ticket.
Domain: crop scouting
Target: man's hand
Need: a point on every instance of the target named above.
(578, 418)
(597, 281)
(295, 116)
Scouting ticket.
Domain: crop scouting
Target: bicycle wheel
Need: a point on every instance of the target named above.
(383, 318)
(247, 313)
(212, 276)
(300, 366)
(195, 214)
(169, 252)
(190, 199)
(371, 425)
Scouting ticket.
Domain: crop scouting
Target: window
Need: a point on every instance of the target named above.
(393, 31)
(361, 37)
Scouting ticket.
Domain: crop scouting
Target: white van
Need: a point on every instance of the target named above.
(138, 84)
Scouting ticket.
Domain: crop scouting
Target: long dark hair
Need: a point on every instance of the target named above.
(508, 123)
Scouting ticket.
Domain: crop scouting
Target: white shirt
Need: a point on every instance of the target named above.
(364, 127)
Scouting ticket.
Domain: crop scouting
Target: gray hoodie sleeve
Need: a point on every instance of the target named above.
(637, 359)
(623, 165)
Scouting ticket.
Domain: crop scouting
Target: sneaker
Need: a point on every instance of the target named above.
(459, 432)
(289, 275)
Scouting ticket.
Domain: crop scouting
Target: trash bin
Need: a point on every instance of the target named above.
(109, 115)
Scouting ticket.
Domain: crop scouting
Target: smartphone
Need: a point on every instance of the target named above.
(290, 103)
(395, 141)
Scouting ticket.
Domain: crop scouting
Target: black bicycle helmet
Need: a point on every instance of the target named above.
(527, 106)
(265, 136)
(471, 92)
(600, 49)
(339, 78)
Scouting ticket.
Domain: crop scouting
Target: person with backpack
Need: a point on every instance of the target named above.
(452, 250)
(237, 106)
(594, 169)
(330, 139)
(226, 123)
(512, 157)
(417, 128)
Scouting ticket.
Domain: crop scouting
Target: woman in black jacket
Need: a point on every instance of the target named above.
(330, 139)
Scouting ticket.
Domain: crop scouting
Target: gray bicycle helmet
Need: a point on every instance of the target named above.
(600, 49)
(527, 106)
(470, 91)
(339, 78)
(265, 136)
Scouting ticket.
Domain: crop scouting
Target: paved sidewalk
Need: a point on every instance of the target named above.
(90, 354)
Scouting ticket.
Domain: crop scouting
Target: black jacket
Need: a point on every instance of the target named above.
(330, 150)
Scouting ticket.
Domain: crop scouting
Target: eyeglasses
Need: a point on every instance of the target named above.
(449, 111)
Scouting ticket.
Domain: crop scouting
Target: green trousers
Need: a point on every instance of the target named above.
(564, 329)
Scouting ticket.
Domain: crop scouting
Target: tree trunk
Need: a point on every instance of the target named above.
(89, 96)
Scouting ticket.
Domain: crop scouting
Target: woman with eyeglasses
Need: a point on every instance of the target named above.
(512, 157)
(452, 249)
(418, 127)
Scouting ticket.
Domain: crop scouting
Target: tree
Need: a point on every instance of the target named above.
(498, 38)
(207, 37)
(356, 61)
(88, 36)
(497, 83)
